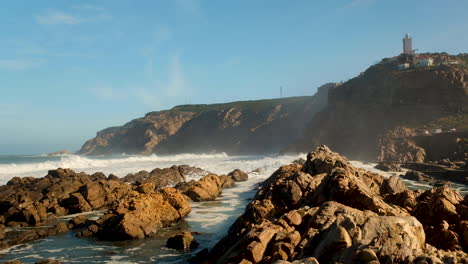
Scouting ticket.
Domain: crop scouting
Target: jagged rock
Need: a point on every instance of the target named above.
(140, 215)
(160, 177)
(99, 193)
(2, 232)
(207, 188)
(388, 166)
(145, 188)
(78, 221)
(417, 176)
(238, 175)
(228, 182)
(393, 185)
(331, 211)
(183, 241)
(438, 205)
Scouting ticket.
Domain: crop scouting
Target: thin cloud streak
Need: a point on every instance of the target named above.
(88, 14)
(19, 64)
(54, 17)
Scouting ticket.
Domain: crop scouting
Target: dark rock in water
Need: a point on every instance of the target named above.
(332, 212)
(183, 241)
(79, 221)
(2, 232)
(48, 261)
(299, 161)
(387, 166)
(12, 262)
(159, 177)
(228, 182)
(417, 176)
(238, 175)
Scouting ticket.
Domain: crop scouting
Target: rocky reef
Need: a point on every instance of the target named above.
(262, 126)
(327, 211)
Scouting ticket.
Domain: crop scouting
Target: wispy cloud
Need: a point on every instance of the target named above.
(82, 14)
(156, 92)
(190, 7)
(20, 64)
(54, 17)
(356, 3)
(88, 7)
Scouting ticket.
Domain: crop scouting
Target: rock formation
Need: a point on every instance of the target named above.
(262, 126)
(362, 110)
(183, 240)
(328, 211)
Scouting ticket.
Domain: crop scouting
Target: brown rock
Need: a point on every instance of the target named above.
(142, 215)
(207, 188)
(228, 182)
(238, 175)
(183, 241)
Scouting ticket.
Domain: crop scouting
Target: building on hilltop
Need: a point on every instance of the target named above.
(424, 61)
(407, 44)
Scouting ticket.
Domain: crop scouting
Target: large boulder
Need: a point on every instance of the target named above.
(238, 175)
(140, 215)
(161, 177)
(207, 188)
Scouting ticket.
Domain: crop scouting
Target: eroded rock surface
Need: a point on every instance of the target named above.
(328, 211)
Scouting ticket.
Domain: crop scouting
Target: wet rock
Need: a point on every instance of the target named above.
(207, 188)
(140, 215)
(299, 161)
(48, 261)
(238, 175)
(78, 221)
(228, 182)
(182, 241)
(160, 177)
(417, 176)
(388, 166)
(12, 262)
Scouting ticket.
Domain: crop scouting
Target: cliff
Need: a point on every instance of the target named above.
(362, 111)
(245, 127)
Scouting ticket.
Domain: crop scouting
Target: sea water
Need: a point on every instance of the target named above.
(211, 219)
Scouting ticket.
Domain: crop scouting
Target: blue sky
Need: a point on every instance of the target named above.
(70, 68)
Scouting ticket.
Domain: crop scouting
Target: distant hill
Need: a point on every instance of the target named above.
(244, 127)
(362, 111)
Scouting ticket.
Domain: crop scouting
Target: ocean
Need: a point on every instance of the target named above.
(211, 219)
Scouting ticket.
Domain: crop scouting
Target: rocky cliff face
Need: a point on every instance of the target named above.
(361, 111)
(262, 126)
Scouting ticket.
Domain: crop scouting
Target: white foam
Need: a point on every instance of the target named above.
(120, 166)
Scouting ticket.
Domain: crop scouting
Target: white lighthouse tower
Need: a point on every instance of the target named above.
(407, 44)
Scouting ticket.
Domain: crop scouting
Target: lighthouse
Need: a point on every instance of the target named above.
(407, 44)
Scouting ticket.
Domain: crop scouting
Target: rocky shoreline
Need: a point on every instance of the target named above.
(322, 210)
(327, 211)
